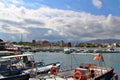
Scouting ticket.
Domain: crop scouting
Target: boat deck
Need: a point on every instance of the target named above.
(68, 75)
(40, 69)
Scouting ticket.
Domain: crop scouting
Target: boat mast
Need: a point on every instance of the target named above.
(101, 62)
(71, 61)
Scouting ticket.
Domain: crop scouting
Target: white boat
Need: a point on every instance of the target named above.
(25, 67)
(11, 68)
(83, 72)
(101, 73)
(42, 70)
(69, 50)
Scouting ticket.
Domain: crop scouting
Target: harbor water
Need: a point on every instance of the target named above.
(73, 61)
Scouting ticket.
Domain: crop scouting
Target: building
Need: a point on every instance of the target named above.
(2, 45)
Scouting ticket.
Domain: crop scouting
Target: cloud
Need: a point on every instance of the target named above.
(1, 5)
(55, 24)
(97, 3)
(8, 3)
(12, 29)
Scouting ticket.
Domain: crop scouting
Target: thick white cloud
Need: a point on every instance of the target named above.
(97, 3)
(56, 24)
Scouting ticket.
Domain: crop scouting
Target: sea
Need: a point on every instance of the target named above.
(72, 61)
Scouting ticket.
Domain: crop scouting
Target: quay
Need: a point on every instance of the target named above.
(46, 50)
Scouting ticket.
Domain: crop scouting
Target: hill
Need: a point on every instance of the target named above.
(105, 41)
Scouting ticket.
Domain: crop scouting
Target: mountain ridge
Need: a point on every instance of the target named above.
(104, 41)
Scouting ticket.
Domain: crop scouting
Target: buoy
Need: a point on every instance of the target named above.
(77, 75)
(54, 70)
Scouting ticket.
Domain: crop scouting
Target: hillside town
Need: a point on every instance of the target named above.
(37, 45)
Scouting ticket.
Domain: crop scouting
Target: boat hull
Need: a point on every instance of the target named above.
(106, 76)
(68, 75)
(17, 77)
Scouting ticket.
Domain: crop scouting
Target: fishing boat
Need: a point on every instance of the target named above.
(42, 70)
(20, 67)
(9, 71)
(86, 71)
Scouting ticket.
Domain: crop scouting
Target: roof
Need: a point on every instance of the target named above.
(1, 40)
(13, 56)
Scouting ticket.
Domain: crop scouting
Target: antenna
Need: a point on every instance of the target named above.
(21, 37)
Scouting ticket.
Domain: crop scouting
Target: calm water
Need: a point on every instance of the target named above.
(111, 59)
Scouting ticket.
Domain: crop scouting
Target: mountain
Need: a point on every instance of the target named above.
(105, 41)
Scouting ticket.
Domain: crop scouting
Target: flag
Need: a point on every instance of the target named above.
(97, 57)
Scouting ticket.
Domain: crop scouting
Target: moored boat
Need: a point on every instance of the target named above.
(82, 73)
(12, 66)
(42, 70)
(69, 50)
(22, 69)
(86, 71)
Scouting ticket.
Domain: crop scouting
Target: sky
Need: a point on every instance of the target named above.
(55, 20)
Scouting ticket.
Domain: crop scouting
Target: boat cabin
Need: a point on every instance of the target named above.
(20, 61)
